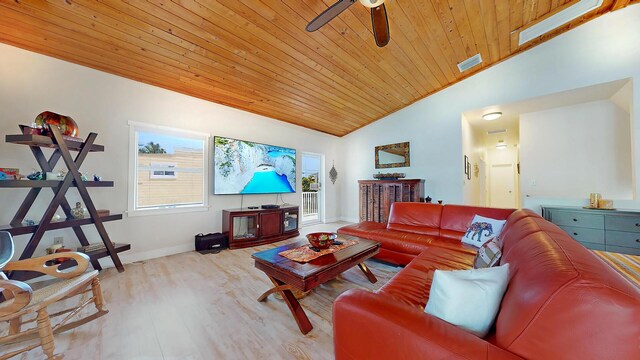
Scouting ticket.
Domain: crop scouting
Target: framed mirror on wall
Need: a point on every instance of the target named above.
(392, 155)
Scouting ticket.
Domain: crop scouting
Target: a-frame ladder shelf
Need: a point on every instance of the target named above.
(62, 147)
(30, 229)
(49, 183)
(48, 142)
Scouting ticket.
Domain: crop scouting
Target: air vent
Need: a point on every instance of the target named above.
(492, 132)
(558, 19)
(470, 62)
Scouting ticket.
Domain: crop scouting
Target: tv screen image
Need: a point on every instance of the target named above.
(244, 167)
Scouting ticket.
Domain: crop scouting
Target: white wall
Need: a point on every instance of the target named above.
(602, 50)
(473, 149)
(103, 103)
(569, 152)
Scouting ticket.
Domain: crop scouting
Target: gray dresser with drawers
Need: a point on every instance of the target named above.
(610, 230)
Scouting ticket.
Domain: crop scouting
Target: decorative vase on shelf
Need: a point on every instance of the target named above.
(78, 211)
(66, 124)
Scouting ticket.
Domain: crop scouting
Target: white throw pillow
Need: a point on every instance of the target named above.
(469, 299)
(481, 230)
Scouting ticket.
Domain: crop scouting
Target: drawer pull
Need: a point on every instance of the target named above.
(638, 240)
(638, 224)
(576, 234)
(577, 220)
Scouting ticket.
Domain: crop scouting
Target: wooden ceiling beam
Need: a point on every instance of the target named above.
(474, 14)
(355, 36)
(99, 59)
(173, 67)
(429, 38)
(451, 30)
(322, 89)
(449, 55)
(365, 56)
(255, 55)
(230, 50)
(300, 90)
(327, 61)
(401, 49)
(266, 41)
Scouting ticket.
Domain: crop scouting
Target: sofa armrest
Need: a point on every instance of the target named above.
(372, 326)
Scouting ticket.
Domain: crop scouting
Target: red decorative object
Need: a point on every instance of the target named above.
(60, 260)
(65, 123)
(321, 240)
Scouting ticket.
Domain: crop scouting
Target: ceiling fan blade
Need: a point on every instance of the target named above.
(326, 16)
(380, 25)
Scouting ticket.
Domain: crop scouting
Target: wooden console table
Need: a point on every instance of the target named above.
(250, 227)
(376, 196)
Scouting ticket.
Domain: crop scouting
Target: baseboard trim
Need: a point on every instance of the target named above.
(128, 258)
(156, 253)
(348, 219)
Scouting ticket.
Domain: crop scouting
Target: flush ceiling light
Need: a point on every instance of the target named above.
(558, 19)
(492, 116)
(501, 145)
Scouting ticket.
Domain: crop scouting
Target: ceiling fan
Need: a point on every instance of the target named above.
(378, 18)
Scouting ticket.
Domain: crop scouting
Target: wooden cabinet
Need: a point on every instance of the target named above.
(607, 230)
(271, 223)
(376, 196)
(251, 227)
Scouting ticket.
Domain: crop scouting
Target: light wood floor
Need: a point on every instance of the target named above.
(192, 306)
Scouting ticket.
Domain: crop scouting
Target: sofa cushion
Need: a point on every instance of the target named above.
(394, 257)
(361, 229)
(400, 241)
(412, 284)
(457, 218)
(418, 218)
(562, 299)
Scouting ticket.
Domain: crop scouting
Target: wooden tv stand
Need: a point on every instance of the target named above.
(250, 227)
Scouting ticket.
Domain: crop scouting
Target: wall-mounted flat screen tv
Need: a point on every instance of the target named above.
(244, 167)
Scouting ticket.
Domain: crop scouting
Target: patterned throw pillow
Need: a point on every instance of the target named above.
(488, 255)
(481, 230)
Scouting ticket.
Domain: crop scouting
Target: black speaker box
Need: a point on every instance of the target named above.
(270, 206)
(211, 243)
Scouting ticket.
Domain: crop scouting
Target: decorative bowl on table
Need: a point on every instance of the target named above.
(321, 240)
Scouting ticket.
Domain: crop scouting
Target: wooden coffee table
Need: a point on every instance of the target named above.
(287, 274)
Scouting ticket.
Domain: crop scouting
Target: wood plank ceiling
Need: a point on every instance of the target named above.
(255, 55)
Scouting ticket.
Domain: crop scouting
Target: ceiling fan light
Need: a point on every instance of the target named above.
(371, 3)
(492, 116)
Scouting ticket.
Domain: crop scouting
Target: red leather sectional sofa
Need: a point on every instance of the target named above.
(562, 301)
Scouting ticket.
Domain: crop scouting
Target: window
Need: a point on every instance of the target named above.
(168, 170)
